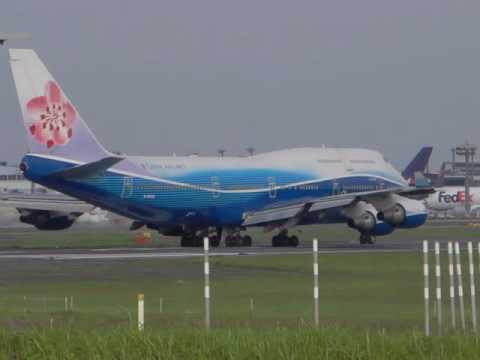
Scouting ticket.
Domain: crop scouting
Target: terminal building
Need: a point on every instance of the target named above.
(454, 172)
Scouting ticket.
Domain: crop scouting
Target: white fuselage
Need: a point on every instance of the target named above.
(452, 198)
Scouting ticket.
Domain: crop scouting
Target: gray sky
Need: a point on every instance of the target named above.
(155, 77)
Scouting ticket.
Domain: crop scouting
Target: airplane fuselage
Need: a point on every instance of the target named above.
(220, 191)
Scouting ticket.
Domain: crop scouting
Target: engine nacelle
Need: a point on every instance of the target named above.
(396, 215)
(47, 220)
(365, 222)
(363, 217)
(401, 212)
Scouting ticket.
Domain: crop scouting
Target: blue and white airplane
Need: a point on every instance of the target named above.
(193, 197)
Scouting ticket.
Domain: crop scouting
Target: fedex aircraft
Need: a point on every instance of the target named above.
(193, 197)
(453, 198)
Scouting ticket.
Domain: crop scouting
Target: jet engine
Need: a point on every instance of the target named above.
(363, 217)
(48, 220)
(401, 212)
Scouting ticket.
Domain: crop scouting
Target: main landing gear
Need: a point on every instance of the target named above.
(282, 239)
(238, 240)
(194, 240)
(366, 238)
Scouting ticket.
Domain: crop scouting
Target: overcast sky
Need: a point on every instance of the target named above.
(155, 77)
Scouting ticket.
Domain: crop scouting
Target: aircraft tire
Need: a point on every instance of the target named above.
(247, 240)
(293, 241)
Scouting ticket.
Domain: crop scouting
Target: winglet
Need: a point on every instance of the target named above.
(90, 169)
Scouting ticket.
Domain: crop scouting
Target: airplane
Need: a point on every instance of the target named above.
(452, 199)
(218, 197)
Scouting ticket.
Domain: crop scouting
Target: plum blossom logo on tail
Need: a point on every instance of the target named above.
(53, 117)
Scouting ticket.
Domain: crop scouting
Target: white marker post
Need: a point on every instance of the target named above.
(206, 268)
(439, 287)
(472, 286)
(460, 284)
(451, 276)
(426, 290)
(141, 312)
(315, 281)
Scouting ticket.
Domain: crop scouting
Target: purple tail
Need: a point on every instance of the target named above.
(418, 164)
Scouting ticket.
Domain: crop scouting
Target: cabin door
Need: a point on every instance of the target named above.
(127, 189)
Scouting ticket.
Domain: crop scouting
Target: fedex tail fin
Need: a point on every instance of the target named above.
(54, 126)
(418, 164)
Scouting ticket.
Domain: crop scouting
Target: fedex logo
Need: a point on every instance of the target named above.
(459, 197)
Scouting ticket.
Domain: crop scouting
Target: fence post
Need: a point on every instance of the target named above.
(315, 282)
(206, 268)
(71, 303)
(426, 289)
(472, 286)
(452, 284)
(141, 312)
(439, 287)
(460, 284)
(66, 303)
(160, 305)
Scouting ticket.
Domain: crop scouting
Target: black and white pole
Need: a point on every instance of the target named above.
(315, 282)
(451, 276)
(206, 271)
(141, 312)
(460, 284)
(472, 286)
(439, 287)
(426, 289)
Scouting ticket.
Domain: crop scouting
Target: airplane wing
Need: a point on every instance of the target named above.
(45, 202)
(288, 211)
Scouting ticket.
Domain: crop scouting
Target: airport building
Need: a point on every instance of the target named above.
(13, 181)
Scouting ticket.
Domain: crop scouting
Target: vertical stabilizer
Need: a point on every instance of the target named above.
(418, 164)
(54, 126)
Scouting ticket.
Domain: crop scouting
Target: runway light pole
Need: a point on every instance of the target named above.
(206, 270)
(141, 312)
(315, 282)
(426, 288)
(439, 287)
(452, 284)
(472, 286)
(460, 285)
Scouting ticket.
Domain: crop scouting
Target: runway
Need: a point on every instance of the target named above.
(327, 247)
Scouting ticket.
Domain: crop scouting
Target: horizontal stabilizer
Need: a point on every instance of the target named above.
(90, 169)
(45, 202)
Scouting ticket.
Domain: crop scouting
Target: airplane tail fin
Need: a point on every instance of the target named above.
(54, 126)
(418, 164)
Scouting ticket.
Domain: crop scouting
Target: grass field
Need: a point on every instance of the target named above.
(88, 236)
(275, 344)
(357, 291)
(371, 304)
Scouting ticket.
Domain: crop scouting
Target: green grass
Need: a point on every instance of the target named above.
(277, 344)
(88, 236)
(357, 291)
(371, 305)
